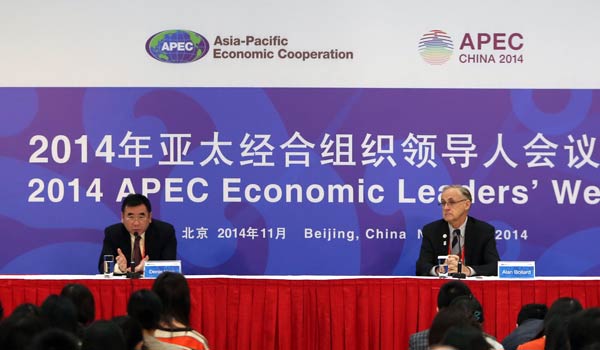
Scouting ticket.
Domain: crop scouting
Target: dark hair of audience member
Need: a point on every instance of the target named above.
(145, 306)
(173, 290)
(465, 337)
(103, 335)
(132, 331)
(83, 299)
(556, 321)
(471, 306)
(584, 328)
(54, 339)
(26, 309)
(60, 313)
(18, 329)
(449, 317)
(532, 311)
(1, 311)
(451, 290)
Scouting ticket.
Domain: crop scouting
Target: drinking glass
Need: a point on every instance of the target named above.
(443, 266)
(109, 265)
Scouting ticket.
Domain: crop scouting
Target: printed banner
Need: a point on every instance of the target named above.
(298, 181)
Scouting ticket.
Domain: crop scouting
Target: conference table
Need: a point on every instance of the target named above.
(312, 312)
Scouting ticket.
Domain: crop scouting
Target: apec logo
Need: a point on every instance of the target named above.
(436, 47)
(177, 46)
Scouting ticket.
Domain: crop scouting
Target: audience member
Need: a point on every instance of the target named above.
(54, 339)
(26, 309)
(83, 299)
(174, 293)
(472, 307)
(17, 330)
(451, 316)
(584, 329)
(132, 331)
(530, 322)
(465, 338)
(103, 335)
(145, 306)
(60, 313)
(553, 332)
(448, 292)
(1, 311)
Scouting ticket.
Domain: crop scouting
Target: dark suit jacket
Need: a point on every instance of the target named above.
(526, 331)
(159, 242)
(480, 247)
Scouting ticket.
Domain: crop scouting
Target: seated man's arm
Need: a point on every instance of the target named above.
(427, 260)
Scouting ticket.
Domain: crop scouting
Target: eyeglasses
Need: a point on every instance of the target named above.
(450, 203)
(133, 218)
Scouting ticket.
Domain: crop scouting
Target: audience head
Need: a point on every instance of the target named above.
(556, 320)
(83, 299)
(26, 309)
(103, 335)
(465, 337)
(145, 306)
(132, 331)
(174, 293)
(449, 317)
(584, 329)
(471, 306)
(17, 330)
(531, 311)
(54, 339)
(450, 291)
(60, 313)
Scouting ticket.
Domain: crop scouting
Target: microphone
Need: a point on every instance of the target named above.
(132, 263)
(459, 274)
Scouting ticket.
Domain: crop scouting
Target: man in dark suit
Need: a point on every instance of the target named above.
(138, 238)
(458, 234)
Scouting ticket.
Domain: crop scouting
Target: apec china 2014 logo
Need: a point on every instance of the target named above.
(436, 47)
(177, 46)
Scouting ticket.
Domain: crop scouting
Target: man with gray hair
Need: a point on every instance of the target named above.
(459, 236)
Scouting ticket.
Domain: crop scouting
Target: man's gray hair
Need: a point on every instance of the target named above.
(463, 190)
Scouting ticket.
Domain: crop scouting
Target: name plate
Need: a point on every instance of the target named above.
(154, 268)
(516, 269)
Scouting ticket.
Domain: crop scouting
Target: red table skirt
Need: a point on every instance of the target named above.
(292, 314)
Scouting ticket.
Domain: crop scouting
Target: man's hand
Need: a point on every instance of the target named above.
(453, 266)
(452, 263)
(140, 267)
(121, 260)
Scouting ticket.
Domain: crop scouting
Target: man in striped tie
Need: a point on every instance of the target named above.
(459, 236)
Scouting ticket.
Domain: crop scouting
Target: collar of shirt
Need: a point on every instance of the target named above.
(462, 229)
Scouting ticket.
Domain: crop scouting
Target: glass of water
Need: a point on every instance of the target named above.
(109, 265)
(442, 266)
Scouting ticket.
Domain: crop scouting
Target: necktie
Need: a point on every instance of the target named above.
(137, 252)
(455, 241)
